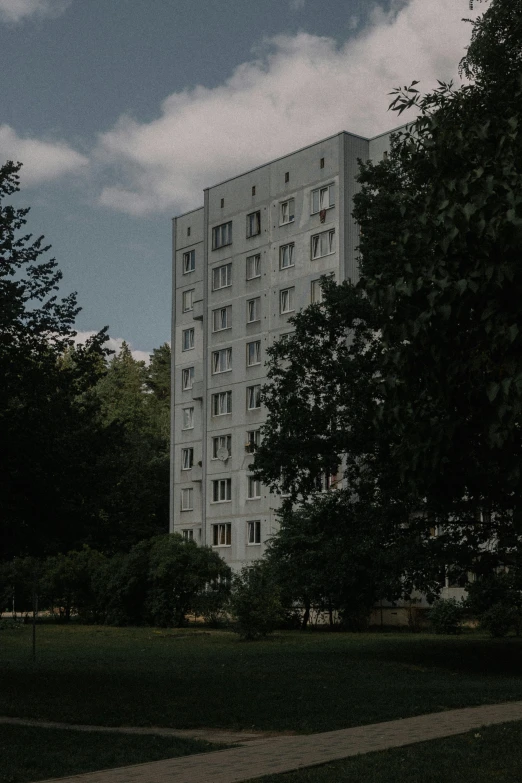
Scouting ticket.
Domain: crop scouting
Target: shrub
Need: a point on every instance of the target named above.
(446, 616)
(499, 619)
(255, 601)
(180, 573)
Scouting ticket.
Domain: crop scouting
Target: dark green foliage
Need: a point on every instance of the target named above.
(441, 224)
(496, 601)
(136, 410)
(179, 572)
(68, 584)
(255, 602)
(446, 616)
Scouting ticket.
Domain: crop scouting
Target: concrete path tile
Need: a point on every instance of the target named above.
(283, 754)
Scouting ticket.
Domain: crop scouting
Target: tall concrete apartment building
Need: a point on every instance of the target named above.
(243, 263)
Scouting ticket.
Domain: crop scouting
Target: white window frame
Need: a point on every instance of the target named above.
(287, 300)
(187, 378)
(187, 339)
(286, 212)
(221, 360)
(187, 499)
(187, 458)
(253, 266)
(221, 442)
(222, 400)
(220, 316)
(222, 276)
(222, 489)
(222, 534)
(187, 300)
(322, 198)
(254, 397)
(253, 224)
(253, 310)
(222, 235)
(253, 441)
(188, 534)
(254, 532)
(187, 416)
(189, 261)
(286, 256)
(254, 486)
(253, 353)
(322, 244)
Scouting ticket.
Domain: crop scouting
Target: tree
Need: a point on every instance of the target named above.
(50, 437)
(135, 409)
(441, 224)
(410, 382)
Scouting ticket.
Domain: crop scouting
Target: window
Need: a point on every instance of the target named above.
(221, 403)
(221, 442)
(188, 300)
(253, 190)
(221, 276)
(188, 418)
(253, 439)
(316, 289)
(286, 256)
(323, 198)
(187, 339)
(222, 318)
(187, 459)
(286, 300)
(188, 535)
(222, 490)
(321, 163)
(316, 292)
(254, 488)
(189, 261)
(254, 532)
(253, 397)
(222, 203)
(221, 360)
(222, 235)
(253, 266)
(287, 176)
(222, 534)
(253, 310)
(253, 224)
(187, 499)
(188, 231)
(286, 214)
(323, 244)
(254, 353)
(187, 378)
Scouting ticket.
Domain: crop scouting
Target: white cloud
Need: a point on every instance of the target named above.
(298, 90)
(115, 343)
(18, 10)
(43, 160)
(297, 5)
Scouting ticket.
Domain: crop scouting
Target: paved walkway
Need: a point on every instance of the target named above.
(209, 735)
(259, 757)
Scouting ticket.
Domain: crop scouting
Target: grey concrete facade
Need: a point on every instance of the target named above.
(242, 265)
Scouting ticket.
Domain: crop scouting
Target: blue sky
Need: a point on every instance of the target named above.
(123, 110)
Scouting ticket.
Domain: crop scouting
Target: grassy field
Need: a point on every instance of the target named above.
(490, 755)
(30, 754)
(195, 678)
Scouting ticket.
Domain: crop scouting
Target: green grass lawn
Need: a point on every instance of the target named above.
(29, 754)
(489, 755)
(195, 678)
